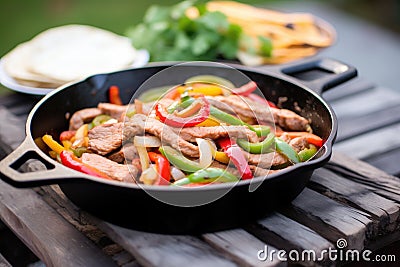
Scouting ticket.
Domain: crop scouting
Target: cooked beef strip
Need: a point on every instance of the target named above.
(115, 111)
(82, 116)
(127, 152)
(246, 107)
(119, 172)
(299, 143)
(164, 132)
(191, 133)
(105, 138)
(258, 171)
(265, 160)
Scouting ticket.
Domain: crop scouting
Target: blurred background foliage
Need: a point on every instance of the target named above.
(20, 20)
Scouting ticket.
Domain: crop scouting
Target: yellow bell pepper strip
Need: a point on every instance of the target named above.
(208, 175)
(54, 145)
(211, 79)
(178, 160)
(69, 160)
(308, 153)
(201, 88)
(311, 138)
(288, 151)
(113, 94)
(257, 148)
(162, 166)
(234, 152)
(175, 121)
(221, 157)
(209, 122)
(245, 89)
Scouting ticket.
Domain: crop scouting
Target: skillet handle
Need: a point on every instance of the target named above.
(317, 74)
(51, 174)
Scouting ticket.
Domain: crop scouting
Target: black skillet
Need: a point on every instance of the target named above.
(129, 205)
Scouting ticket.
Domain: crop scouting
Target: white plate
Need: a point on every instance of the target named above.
(6, 80)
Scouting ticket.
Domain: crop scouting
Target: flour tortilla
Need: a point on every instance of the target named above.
(68, 53)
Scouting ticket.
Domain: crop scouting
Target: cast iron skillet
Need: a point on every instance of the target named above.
(128, 205)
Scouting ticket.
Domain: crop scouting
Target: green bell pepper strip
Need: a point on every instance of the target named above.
(211, 79)
(308, 153)
(286, 150)
(153, 94)
(179, 160)
(208, 175)
(257, 148)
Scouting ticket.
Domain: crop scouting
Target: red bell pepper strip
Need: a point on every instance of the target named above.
(113, 94)
(176, 121)
(261, 100)
(162, 166)
(172, 94)
(234, 152)
(311, 138)
(67, 135)
(245, 89)
(69, 160)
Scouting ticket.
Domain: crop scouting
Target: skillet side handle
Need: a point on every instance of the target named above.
(51, 173)
(331, 73)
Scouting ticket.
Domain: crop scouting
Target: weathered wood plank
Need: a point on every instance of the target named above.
(12, 131)
(287, 234)
(330, 219)
(165, 250)
(242, 247)
(372, 143)
(385, 213)
(386, 162)
(362, 172)
(366, 102)
(48, 235)
(4, 262)
(358, 124)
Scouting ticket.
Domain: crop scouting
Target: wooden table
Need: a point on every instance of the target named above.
(347, 199)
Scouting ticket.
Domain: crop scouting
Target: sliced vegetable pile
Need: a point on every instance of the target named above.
(203, 131)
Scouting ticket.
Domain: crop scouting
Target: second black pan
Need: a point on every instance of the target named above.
(128, 205)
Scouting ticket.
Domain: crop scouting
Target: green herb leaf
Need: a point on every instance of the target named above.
(266, 46)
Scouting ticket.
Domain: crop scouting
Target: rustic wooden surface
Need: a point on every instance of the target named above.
(348, 198)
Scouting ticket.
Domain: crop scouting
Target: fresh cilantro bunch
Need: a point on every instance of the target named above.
(169, 34)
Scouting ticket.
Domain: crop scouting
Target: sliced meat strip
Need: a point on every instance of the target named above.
(105, 138)
(115, 111)
(164, 132)
(191, 133)
(245, 107)
(127, 152)
(299, 143)
(265, 160)
(258, 171)
(119, 172)
(82, 116)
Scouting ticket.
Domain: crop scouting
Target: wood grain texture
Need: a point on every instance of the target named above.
(330, 219)
(385, 213)
(165, 250)
(46, 233)
(287, 234)
(4, 262)
(241, 247)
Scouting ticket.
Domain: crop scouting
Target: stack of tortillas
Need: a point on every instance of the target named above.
(67, 53)
(292, 35)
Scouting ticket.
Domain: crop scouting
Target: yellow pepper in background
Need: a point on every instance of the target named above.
(205, 89)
